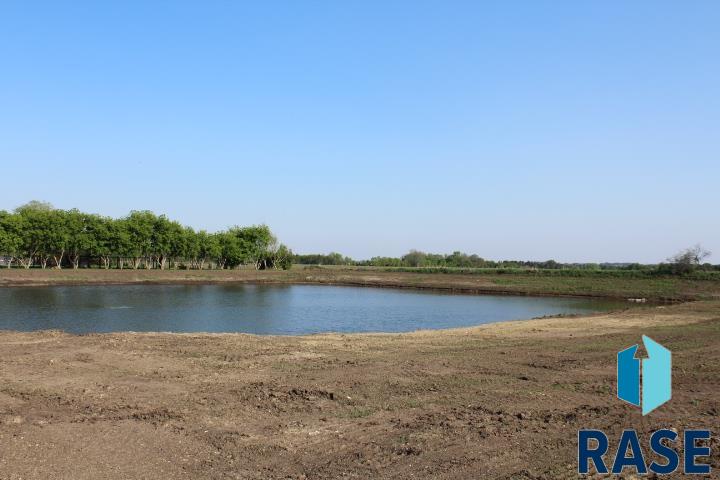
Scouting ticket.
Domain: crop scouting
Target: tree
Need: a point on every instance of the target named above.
(550, 264)
(30, 222)
(10, 241)
(81, 235)
(208, 248)
(253, 243)
(109, 239)
(190, 247)
(140, 225)
(37, 233)
(414, 258)
(34, 228)
(385, 262)
(230, 252)
(332, 258)
(280, 256)
(166, 239)
(118, 241)
(55, 238)
(688, 260)
(35, 206)
(181, 239)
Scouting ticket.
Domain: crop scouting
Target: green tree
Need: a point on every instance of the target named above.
(167, 239)
(118, 242)
(688, 260)
(105, 232)
(140, 227)
(280, 256)
(208, 248)
(414, 258)
(35, 206)
(230, 251)
(332, 258)
(254, 244)
(82, 235)
(10, 240)
(191, 247)
(37, 233)
(56, 238)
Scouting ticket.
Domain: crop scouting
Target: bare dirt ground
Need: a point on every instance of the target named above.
(497, 401)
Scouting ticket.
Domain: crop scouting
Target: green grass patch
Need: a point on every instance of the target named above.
(359, 412)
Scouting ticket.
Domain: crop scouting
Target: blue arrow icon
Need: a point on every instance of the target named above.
(650, 376)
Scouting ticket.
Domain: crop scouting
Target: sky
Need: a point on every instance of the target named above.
(577, 131)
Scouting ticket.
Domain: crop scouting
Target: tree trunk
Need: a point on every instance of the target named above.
(27, 263)
(58, 260)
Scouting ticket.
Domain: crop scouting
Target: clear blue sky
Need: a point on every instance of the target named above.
(579, 131)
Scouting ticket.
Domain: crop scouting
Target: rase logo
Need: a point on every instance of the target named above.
(644, 383)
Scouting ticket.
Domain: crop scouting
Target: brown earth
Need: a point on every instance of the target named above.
(497, 401)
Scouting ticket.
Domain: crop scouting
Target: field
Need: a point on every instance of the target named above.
(496, 401)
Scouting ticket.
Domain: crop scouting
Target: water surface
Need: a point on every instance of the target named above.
(266, 309)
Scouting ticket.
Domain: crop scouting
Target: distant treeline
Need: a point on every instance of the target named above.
(37, 234)
(685, 262)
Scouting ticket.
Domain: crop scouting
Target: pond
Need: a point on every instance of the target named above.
(267, 309)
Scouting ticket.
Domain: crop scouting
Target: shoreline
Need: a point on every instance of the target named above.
(437, 289)
(656, 292)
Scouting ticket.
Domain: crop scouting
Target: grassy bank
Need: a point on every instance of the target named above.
(656, 288)
(541, 272)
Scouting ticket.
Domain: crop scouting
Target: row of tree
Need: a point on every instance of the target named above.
(332, 258)
(38, 234)
(415, 258)
(686, 261)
